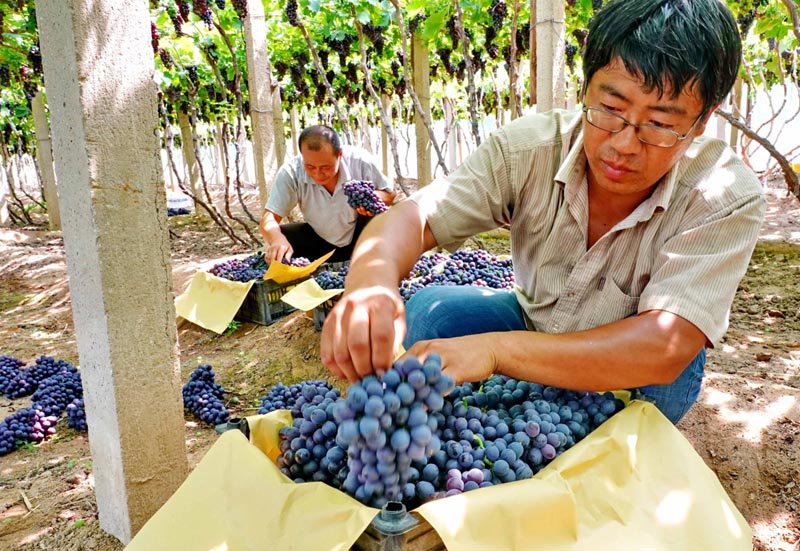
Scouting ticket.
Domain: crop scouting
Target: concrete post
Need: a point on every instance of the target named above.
(385, 146)
(278, 126)
(221, 146)
(102, 98)
(549, 55)
(422, 86)
(190, 159)
(294, 131)
(259, 83)
(44, 157)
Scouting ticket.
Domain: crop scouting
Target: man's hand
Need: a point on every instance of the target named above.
(364, 212)
(278, 249)
(469, 358)
(363, 332)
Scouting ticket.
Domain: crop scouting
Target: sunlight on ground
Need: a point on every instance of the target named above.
(777, 528)
(35, 536)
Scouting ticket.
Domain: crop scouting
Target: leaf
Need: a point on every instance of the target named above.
(363, 17)
(314, 5)
(434, 24)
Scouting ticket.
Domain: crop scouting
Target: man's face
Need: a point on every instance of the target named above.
(620, 163)
(321, 165)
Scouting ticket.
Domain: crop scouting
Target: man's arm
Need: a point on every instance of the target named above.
(651, 348)
(386, 196)
(363, 332)
(276, 246)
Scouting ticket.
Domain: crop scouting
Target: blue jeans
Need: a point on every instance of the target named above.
(454, 311)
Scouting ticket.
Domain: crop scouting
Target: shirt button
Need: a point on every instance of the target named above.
(570, 294)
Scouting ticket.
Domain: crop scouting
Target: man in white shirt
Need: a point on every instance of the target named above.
(314, 180)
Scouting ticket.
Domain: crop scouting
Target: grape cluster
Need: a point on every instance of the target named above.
(9, 367)
(341, 46)
(203, 11)
(58, 391)
(293, 397)
(5, 75)
(332, 280)
(498, 11)
(154, 36)
(291, 13)
(252, 267)
(745, 21)
(26, 425)
(569, 53)
(185, 9)
(76, 415)
(203, 397)
(375, 34)
(35, 59)
(361, 193)
(241, 8)
(24, 381)
(389, 423)
(220, 4)
(463, 267)
(177, 212)
(176, 18)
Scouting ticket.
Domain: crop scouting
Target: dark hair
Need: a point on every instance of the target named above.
(316, 136)
(669, 44)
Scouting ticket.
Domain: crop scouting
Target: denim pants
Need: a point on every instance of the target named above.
(453, 311)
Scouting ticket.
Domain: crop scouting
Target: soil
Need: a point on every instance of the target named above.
(745, 425)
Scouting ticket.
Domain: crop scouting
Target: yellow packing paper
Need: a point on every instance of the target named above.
(281, 273)
(210, 301)
(308, 295)
(635, 483)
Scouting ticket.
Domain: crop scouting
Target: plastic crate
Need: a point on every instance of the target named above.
(321, 312)
(395, 529)
(263, 302)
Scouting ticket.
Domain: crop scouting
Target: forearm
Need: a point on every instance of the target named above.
(652, 348)
(269, 227)
(389, 246)
(386, 196)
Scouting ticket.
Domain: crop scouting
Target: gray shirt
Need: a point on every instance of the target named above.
(329, 214)
(682, 250)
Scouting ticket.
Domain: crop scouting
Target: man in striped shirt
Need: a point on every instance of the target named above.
(629, 231)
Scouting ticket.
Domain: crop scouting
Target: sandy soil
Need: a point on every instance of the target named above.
(745, 426)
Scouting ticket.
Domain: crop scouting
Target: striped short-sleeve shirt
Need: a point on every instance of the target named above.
(329, 214)
(682, 250)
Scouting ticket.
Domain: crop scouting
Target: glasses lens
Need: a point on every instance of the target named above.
(605, 120)
(660, 137)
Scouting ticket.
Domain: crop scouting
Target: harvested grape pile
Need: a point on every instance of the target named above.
(251, 267)
(55, 387)
(412, 435)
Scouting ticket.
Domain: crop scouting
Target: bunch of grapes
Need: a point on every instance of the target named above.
(293, 397)
(25, 381)
(361, 193)
(425, 264)
(203, 397)
(580, 35)
(291, 13)
(416, 21)
(389, 423)
(745, 21)
(176, 18)
(220, 4)
(569, 52)
(375, 35)
(308, 448)
(444, 55)
(166, 60)
(453, 32)
(498, 11)
(26, 425)
(252, 267)
(57, 391)
(340, 46)
(241, 8)
(5, 75)
(76, 415)
(332, 280)
(154, 36)
(35, 59)
(9, 368)
(203, 11)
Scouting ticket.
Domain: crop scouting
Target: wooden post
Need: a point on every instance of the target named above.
(259, 83)
(44, 155)
(103, 101)
(422, 82)
(549, 55)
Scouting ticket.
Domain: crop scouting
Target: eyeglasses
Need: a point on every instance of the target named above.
(647, 133)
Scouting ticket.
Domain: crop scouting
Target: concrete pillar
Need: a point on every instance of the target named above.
(422, 87)
(259, 83)
(221, 146)
(102, 97)
(549, 55)
(451, 125)
(294, 131)
(5, 217)
(385, 146)
(44, 156)
(278, 127)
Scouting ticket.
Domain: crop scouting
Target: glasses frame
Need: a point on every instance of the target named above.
(636, 127)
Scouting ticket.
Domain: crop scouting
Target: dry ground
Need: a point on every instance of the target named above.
(746, 424)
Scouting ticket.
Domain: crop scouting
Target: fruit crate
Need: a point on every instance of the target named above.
(321, 311)
(263, 302)
(395, 529)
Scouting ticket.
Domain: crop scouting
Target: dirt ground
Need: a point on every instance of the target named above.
(745, 426)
